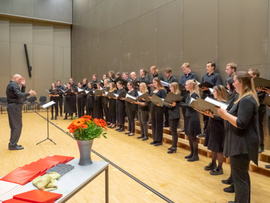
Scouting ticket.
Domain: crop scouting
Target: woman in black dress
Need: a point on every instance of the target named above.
(232, 97)
(243, 134)
(157, 113)
(192, 124)
(131, 109)
(68, 104)
(90, 100)
(216, 131)
(120, 107)
(105, 101)
(174, 116)
(112, 106)
(54, 96)
(143, 112)
(80, 100)
(97, 108)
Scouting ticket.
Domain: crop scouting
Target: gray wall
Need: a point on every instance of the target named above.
(51, 10)
(49, 49)
(126, 35)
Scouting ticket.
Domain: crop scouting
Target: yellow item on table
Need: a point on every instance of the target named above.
(48, 182)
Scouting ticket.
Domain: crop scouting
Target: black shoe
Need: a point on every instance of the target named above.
(61, 115)
(117, 129)
(172, 150)
(55, 118)
(216, 171)
(229, 181)
(154, 142)
(17, 147)
(121, 130)
(229, 189)
(193, 158)
(158, 144)
(261, 149)
(230, 201)
(145, 138)
(201, 135)
(127, 133)
(65, 118)
(51, 118)
(140, 137)
(166, 125)
(210, 166)
(189, 156)
(267, 166)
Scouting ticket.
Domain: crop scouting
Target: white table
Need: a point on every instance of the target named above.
(73, 181)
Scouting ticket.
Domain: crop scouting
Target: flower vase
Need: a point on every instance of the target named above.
(85, 148)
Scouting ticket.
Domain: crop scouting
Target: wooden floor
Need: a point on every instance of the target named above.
(169, 174)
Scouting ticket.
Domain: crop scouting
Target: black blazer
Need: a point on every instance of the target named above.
(244, 139)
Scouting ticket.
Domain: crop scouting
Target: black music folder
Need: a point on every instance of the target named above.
(206, 84)
(130, 98)
(171, 97)
(144, 96)
(266, 100)
(157, 100)
(261, 82)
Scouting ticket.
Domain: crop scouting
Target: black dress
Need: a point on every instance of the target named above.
(97, 108)
(157, 118)
(54, 98)
(112, 109)
(120, 108)
(131, 111)
(192, 124)
(105, 101)
(215, 132)
(68, 104)
(89, 102)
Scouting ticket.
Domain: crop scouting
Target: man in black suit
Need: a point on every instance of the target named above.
(15, 99)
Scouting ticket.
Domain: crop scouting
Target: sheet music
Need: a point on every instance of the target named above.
(79, 89)
(139, 93)
(162, 99)
(48, 104)
(116, 95)
(165, 83)
(65, 85)
(64, 91)
(127, 95)
(191, 100)
(5, 195)
(211, 90)
(217, 103)
(86, 91)
(47, 91)
(106, 93)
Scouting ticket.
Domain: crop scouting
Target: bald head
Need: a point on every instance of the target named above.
(133, 75)
(17, 78)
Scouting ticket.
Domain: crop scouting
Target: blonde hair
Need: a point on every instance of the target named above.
(221, 91)
(160, 86)
(247, 86)
(155, 68)
(185, 65)
(195, 86)
(175, 86)
(113, 87)
(144, 87)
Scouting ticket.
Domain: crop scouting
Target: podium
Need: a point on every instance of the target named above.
(46, 106)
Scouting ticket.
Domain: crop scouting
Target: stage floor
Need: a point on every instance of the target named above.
(164, 177)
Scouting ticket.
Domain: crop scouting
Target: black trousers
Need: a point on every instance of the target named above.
(61, 104)
(261, 112)
(106, 112)
(55, 106)
(112, 111)
(131, 120)
(166, 116)
(15, 123)
(81, 105)
(184, 115)
(89, 111)
(173, 128)
(157, 123)
(241, 180)
(143, 118)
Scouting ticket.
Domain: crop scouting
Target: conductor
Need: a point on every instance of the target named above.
(15, 99)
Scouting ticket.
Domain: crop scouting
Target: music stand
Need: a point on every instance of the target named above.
(45, 106)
